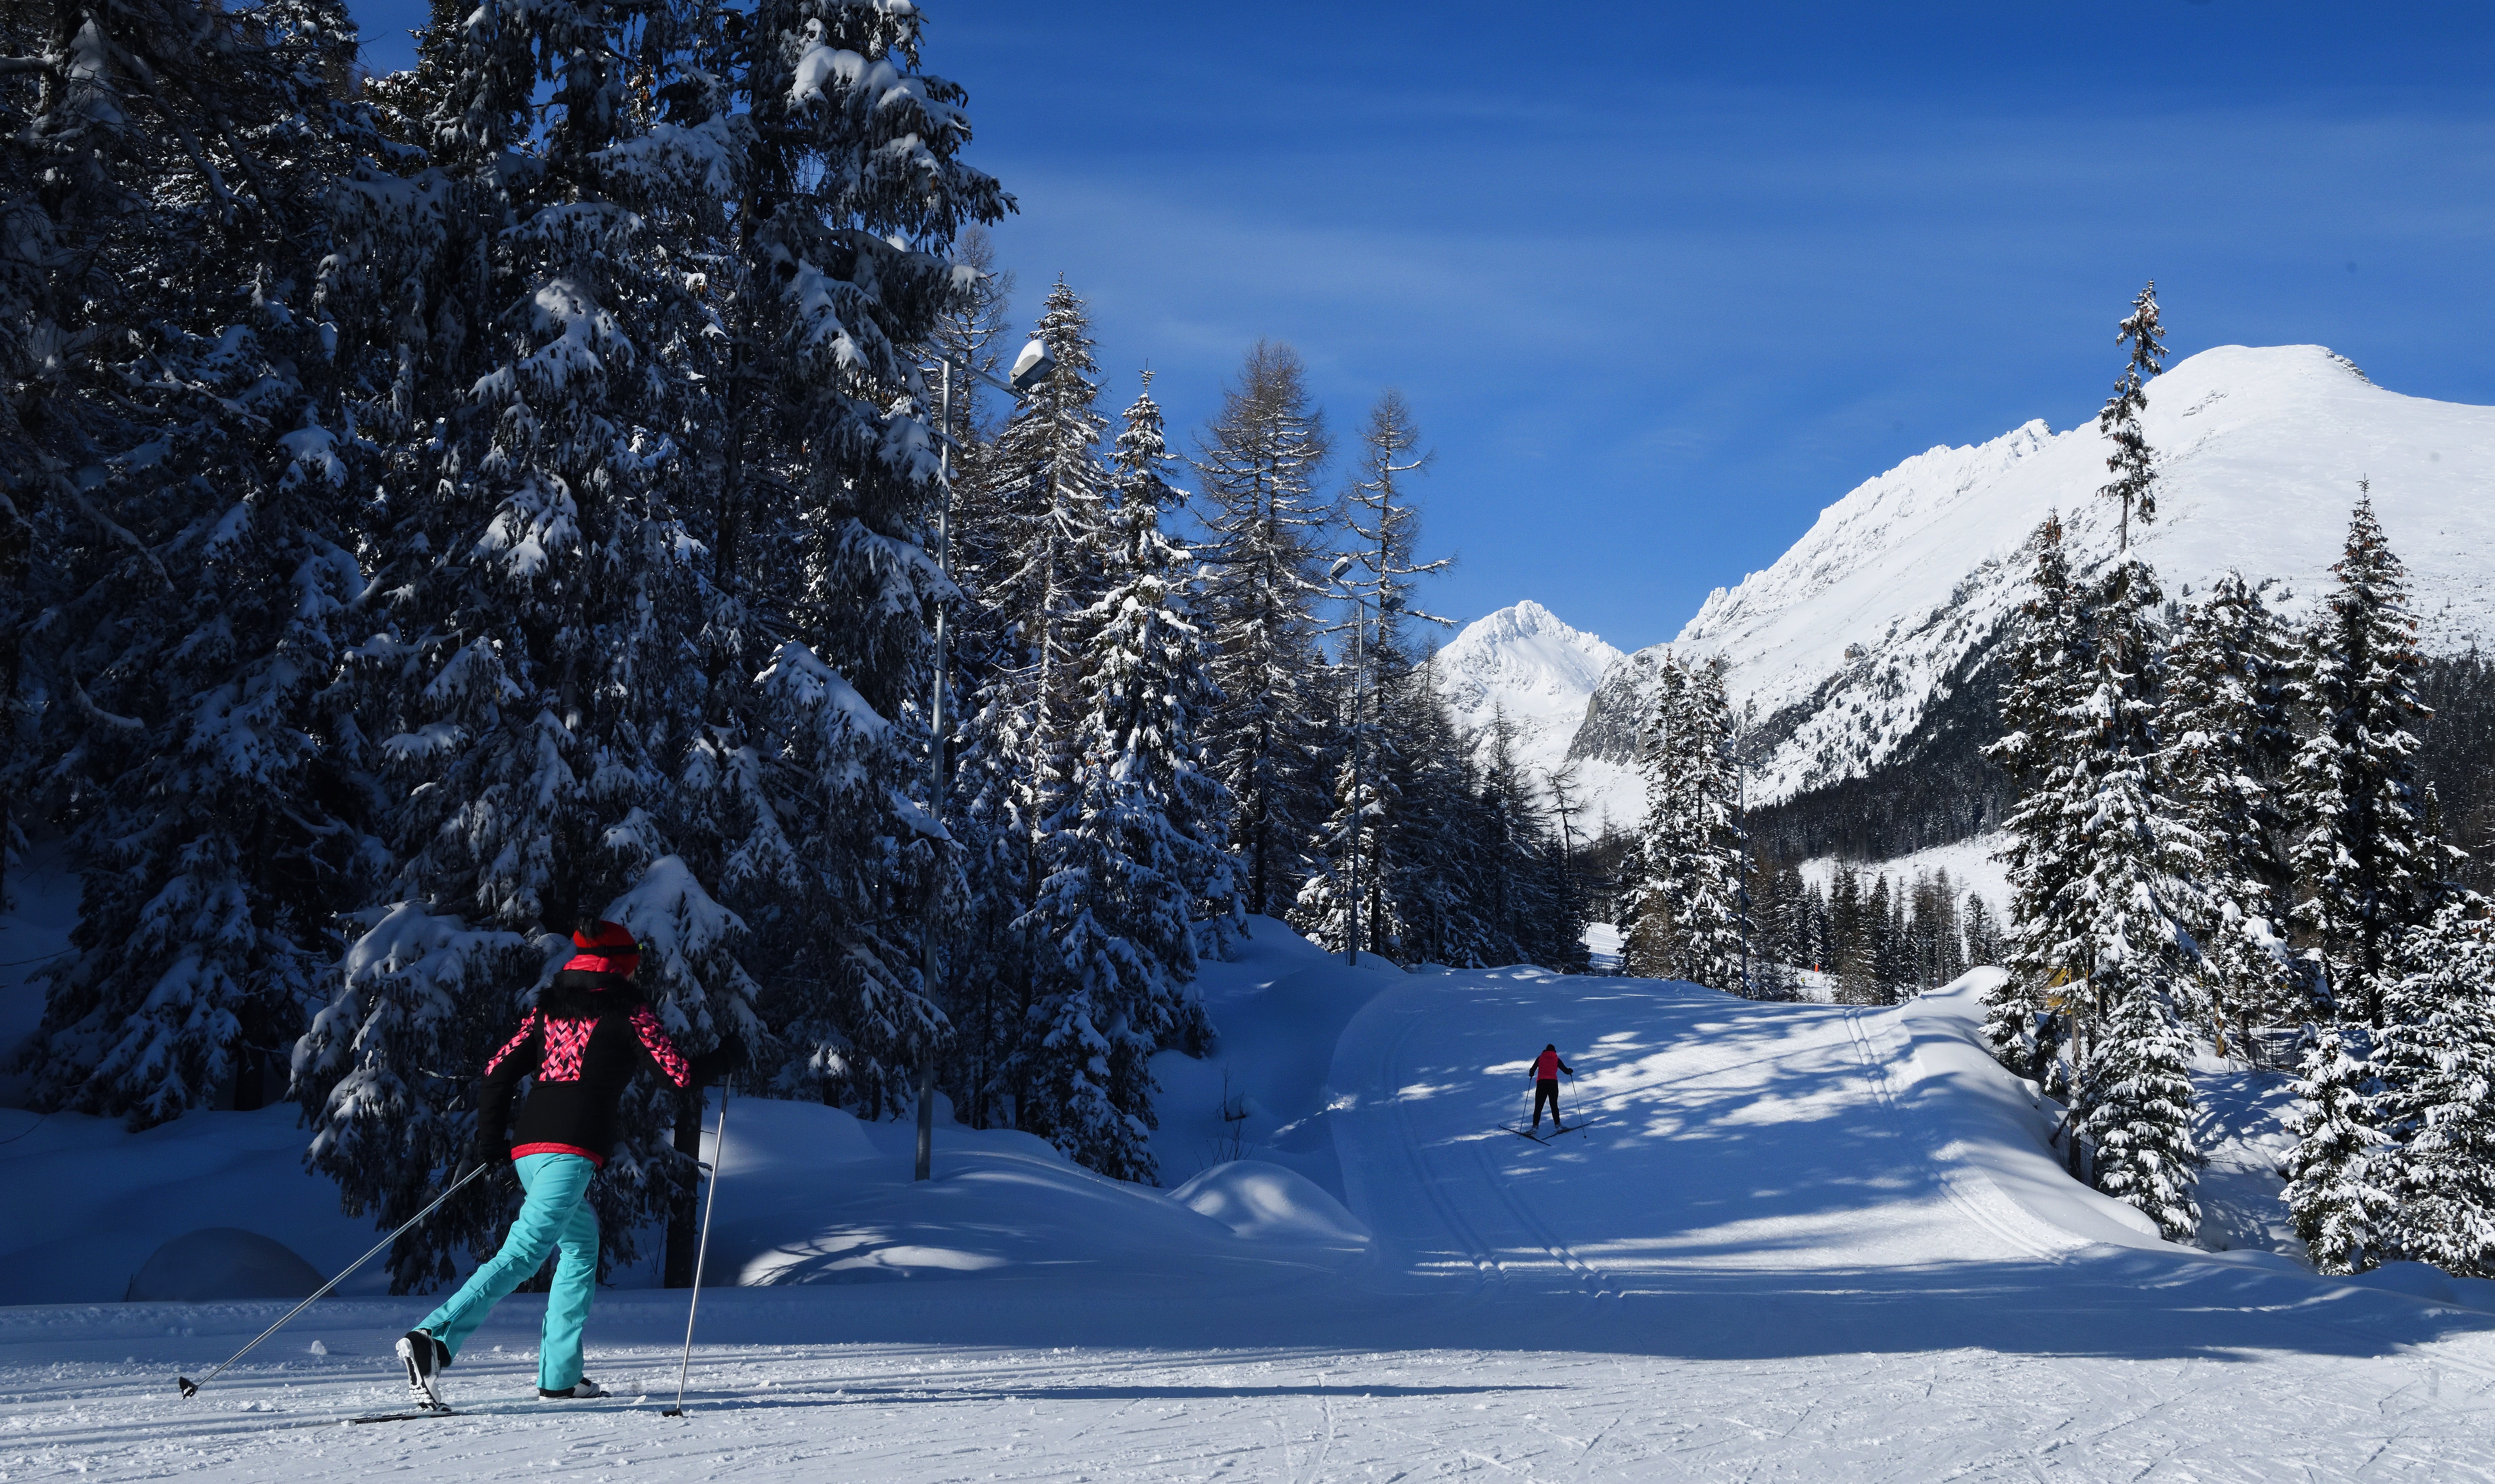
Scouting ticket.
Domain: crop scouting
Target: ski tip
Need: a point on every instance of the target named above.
(187, 1386)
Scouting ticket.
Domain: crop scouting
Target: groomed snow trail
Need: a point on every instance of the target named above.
(1784, 1250)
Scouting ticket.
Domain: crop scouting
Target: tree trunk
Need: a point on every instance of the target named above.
(684, 1226)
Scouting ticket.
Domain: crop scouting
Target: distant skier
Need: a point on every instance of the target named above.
(1547, 1070)
(591, 1031)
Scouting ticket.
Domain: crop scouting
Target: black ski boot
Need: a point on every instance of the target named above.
(585, 1390)
(425, 1358)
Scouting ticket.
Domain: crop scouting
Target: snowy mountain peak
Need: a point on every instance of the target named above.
(1526, 663)
(1900, 589)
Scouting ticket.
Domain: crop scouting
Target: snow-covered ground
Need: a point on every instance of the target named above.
(1797, 1241)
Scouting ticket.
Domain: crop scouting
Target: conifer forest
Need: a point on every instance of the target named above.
(600, 473)
(607, 470)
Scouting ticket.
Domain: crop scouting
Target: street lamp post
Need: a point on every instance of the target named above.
(1032, 367)
(1359, 805)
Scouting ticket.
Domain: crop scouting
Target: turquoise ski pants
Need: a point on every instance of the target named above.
(555, 1215)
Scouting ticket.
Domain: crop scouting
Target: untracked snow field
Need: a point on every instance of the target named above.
(1794, 1242)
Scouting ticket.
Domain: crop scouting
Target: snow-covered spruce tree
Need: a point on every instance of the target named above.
(1048, 489)
(2138, 1099)
(2052, 655)
(530, 669)
(1517, 902)
(1134, 852)
(2368, 870)
(1883, 930)
(2132, 462)
(1650, 893)
(2136, 862)
(1362, 844)
(1259, 461)
(852, 199)
(178, 530)
(2225, 719)
(1711, 908)
(1984, 939)
(1141, 467)
(1689, 905)
(2437, 1061)
(1847, 960)
(1031, 539)
(2334, 1192)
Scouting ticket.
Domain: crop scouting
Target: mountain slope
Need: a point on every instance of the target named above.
(1847, 649)
(1523, 663)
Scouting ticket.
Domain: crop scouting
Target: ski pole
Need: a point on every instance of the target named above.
(701, 1250)
(191, 1388)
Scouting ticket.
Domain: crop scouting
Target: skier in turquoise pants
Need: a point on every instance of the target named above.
(590, 1034)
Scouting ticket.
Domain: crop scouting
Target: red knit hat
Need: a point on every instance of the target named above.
(610, 948)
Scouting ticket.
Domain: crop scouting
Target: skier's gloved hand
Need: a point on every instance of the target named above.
(716, 1064)
(491, 1150)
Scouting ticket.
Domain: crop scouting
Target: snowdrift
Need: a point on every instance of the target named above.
(810, 1194)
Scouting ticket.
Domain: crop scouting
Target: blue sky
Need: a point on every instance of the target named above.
(1660, 280)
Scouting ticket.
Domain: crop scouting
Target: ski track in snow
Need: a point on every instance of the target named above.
(1771, 1258)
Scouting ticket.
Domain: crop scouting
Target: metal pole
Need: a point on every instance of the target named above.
(1358, 808)
(701, 1252)
(932, 910)
(1741, 814)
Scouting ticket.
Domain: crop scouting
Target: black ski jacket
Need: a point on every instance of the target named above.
(590, 1033)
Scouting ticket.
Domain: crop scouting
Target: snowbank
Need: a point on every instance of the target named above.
(91, 1202)
(1989, 1134)
(1267, 1202)
(809, 1194)
(222, 1262)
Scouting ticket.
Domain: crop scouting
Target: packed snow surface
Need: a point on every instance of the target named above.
(1788, 1242)
(1523, 664)
(1847, 637)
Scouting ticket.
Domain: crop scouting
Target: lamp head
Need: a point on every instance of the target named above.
(1033, 366)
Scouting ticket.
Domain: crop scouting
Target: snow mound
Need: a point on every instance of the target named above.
(1990, 1135)
(91, 1201)
(222, 1262)
(1267, 1202)
(2421, 1280)
(811, 1194)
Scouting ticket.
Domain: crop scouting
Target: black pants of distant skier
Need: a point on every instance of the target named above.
(1546, 1090)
